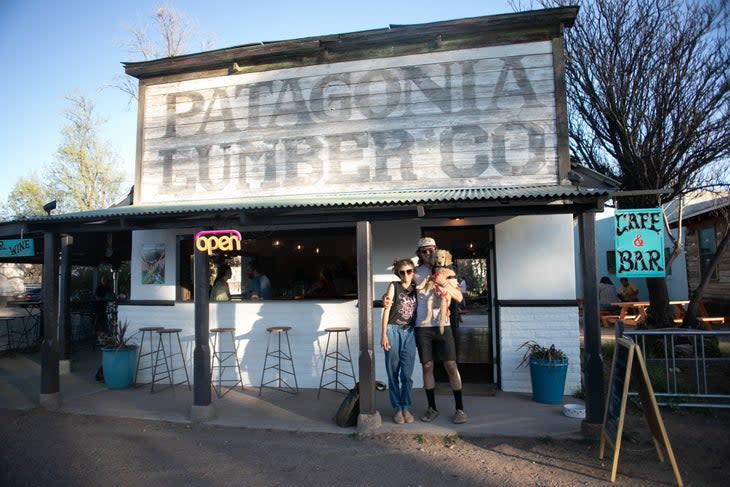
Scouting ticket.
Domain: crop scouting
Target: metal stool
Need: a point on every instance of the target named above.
(146, 331)
(168, 358)
(220, 357)
(338, 357)
(280, 362)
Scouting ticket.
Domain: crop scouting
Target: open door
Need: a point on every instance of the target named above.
(472, 249)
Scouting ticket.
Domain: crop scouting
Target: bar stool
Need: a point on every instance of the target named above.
(221, 358)
(337, 357)
(282, 360)
(146, 332)
(168, 358)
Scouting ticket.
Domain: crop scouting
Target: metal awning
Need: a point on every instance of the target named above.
(323, 209)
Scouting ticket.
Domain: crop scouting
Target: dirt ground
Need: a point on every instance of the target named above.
(43, 448)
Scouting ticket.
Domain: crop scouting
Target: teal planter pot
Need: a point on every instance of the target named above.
(548, 380)
(119, 366)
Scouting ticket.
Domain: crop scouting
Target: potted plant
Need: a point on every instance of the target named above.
(119, 357)
(548, 368)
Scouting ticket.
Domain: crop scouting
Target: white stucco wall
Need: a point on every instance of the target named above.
(535, 257)
(535, 262)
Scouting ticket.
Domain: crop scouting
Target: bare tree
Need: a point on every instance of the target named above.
(649, 100)
(167, 35)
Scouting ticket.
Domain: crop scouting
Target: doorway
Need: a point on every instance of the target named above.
(472, 248)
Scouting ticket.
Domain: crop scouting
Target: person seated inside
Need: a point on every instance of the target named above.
(322, 288)
(607, 295)
(260, 285)
(220, 290)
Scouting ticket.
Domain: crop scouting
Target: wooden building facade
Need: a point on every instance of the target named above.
(339, 152)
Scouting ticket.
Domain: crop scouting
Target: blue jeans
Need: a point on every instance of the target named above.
(399, 361)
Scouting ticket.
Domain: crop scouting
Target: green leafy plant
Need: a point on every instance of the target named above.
(116, 338)
(537, 351)
(451, 440)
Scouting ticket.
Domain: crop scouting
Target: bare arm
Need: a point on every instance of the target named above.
(384, 321)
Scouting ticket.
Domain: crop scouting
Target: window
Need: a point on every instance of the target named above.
(611, 261)
(707, 248)
(302, 264)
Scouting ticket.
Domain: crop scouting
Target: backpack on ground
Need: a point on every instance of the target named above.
(347, 413)
(349, 409)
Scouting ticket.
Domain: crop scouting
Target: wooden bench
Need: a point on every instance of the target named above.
(706, 320)
(631, 320)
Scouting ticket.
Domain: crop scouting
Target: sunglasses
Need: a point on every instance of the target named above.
(405, 272)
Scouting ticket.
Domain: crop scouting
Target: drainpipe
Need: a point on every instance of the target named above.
(64, 317)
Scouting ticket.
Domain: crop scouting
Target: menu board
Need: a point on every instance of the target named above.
(628, 363)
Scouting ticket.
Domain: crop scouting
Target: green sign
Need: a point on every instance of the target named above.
(17, 248)
(640, 243)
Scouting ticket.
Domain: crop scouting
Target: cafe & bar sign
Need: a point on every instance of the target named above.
(640, 243)
(17, 248)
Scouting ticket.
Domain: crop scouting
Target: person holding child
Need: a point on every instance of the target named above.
(398, 339)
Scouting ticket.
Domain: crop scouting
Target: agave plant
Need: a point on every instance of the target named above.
(116, 338)
(537, 351)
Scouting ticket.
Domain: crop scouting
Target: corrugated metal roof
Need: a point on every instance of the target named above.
(339, 200)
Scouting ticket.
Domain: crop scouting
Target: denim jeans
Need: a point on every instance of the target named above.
(399, 362)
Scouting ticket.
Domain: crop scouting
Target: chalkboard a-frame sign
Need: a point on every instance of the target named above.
(622, 371)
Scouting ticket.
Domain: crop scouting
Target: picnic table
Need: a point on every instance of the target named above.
(633, 313)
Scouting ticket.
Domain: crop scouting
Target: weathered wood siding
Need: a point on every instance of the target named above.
(716, 289)
(471, 117)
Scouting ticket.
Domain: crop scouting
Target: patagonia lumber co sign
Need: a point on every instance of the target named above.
(17, 248)
(640, 243)
(210, 241)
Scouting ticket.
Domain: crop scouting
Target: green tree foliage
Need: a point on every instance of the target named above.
(84, 174)
(27, 198)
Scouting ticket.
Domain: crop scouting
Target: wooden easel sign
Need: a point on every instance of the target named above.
(622, 370)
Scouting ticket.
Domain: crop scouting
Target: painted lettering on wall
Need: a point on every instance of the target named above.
(210, 241)
(640, 243)
(462, 117)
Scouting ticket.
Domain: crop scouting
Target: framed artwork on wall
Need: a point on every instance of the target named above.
(153, 263)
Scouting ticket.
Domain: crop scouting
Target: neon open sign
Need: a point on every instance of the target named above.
(218, 240)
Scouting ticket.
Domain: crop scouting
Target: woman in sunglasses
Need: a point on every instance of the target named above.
(398, 340)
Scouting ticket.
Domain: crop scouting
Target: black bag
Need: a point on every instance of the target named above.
(349, 409)
(347, 413)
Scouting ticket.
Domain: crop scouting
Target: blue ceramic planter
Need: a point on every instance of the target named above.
(119, 366)
(548, 380)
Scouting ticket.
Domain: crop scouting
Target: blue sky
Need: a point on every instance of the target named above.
(54, 48)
